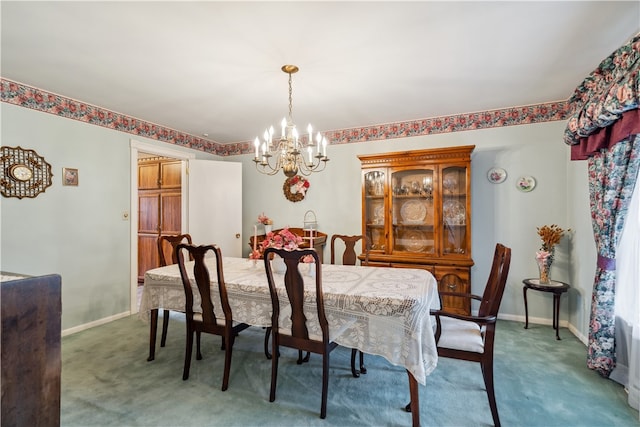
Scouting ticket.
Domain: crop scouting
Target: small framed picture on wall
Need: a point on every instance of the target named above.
(69, 176)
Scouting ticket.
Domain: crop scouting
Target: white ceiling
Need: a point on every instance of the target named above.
(214, 67)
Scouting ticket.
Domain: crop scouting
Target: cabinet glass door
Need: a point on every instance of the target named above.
(374, 209)
(412, 211)
(454, 210)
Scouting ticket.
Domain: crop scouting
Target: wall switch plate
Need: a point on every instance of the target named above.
(125, 215)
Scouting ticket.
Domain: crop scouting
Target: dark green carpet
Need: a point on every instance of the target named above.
(106, 381)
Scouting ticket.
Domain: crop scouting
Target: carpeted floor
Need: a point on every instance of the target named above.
(106, 381)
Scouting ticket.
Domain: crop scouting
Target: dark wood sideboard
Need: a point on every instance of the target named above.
(31, 349)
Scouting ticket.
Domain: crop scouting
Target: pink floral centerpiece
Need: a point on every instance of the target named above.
(284, 239)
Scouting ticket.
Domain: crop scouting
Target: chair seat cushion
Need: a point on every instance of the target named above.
(461, 335)
(197, 317)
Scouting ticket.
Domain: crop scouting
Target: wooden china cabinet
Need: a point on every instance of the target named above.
(160, 207)
(416, 213)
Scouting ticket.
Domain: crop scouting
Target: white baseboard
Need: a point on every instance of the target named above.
(543, 321)
(95, 323)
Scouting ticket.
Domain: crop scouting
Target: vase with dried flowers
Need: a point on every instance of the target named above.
(266, 221)
(550, 236)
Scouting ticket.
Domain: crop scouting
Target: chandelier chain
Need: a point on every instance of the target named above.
(290, 101)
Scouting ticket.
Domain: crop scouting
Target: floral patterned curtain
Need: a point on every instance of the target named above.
(605, 129)
(612, 177)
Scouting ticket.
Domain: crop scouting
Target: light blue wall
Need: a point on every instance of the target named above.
(79, 232)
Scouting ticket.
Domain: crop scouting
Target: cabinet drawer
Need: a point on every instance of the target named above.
(427, 267)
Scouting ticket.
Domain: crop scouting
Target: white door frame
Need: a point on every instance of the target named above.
(137, 146)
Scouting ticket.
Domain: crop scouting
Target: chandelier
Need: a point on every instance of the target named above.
(290, 153)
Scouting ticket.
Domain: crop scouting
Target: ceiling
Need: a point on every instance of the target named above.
(214, 67)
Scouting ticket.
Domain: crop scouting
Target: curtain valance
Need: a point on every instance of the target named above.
(608, 98)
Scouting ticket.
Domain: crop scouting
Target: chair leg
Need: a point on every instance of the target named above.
(275, 354)
(165, 326)
(266, 343)
(355, 372)
(487, 373)
(227, 361)
(325, 383)
(187, 355)
(301, 359)
(199, 353)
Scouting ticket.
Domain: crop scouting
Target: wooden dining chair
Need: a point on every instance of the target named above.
(211, 317)
(349, 258)
(167, 256)
(471, 337)
(301, 334)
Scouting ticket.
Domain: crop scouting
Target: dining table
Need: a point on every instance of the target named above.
(382, 311)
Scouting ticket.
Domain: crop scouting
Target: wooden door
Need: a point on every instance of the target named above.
(160, 208)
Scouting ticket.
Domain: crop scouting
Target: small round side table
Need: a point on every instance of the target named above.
(557, 288)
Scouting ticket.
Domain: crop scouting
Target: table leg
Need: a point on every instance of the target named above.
(526, 308)
(415, 400)
(556, 314)
(153, 328)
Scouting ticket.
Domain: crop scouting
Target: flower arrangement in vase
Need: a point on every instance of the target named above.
(550, 236)
(266, 221)
(284, 239)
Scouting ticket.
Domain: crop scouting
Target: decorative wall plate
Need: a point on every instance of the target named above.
(526, 183)
(23, 173)
(496, 175)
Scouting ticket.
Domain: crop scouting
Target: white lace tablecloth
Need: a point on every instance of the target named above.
(379, 310)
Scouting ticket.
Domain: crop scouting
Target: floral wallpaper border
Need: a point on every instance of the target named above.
(29, 97)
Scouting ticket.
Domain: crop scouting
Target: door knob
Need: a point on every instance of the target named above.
(237, 235)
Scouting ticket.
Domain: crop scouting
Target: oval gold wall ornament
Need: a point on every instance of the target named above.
(24, 173)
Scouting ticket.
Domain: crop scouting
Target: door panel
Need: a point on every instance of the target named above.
(170, 174)
(147, 253)
(215, 204)
(148, 206)
(148, 176)
(171, 213)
